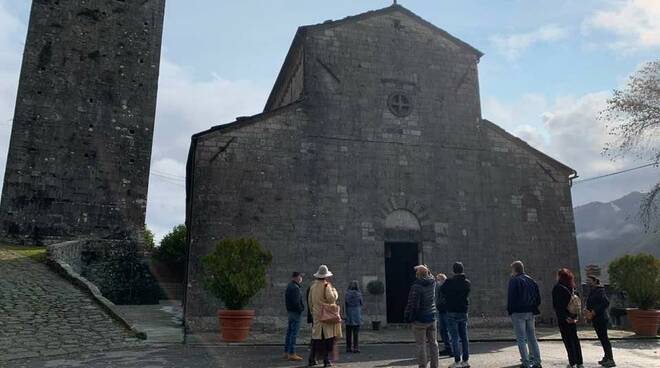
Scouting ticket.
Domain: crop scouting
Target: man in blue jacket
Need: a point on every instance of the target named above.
(421, 312)
(523, 304)
(294, 308)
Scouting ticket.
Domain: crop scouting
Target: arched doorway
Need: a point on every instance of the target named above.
(402, 253)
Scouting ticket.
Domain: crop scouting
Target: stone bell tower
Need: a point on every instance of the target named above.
(79, 156)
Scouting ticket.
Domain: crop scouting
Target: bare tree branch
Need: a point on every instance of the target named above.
(632, 117)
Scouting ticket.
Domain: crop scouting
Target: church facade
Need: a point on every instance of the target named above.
(371, 156)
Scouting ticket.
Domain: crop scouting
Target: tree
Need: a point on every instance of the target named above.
(172, 248)
(639, 276)
(149, 243)
(633, 120)
(236, 270)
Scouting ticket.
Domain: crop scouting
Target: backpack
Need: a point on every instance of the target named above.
(575, 304)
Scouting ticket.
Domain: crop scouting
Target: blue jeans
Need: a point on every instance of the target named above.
(523, 326)
(457, 326)
(442, 329)
(292, 332)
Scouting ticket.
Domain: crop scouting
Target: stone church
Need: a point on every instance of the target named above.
(371, 156)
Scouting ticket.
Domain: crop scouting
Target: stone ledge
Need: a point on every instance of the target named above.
(75, 278)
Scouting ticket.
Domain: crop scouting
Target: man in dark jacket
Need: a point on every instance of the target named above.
(456, 291)
(420, 311)
(597, 304)
(523, 304)
(294, 307)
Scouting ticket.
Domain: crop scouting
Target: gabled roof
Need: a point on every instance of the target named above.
(524, 145)
(295, 44)
(300, 35)
(246, 120)
(391, 9)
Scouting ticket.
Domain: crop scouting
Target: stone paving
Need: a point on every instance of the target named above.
(43, 315)
(401, 334)
(628, 354)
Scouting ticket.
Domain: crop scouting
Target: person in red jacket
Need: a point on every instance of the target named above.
(561, 297)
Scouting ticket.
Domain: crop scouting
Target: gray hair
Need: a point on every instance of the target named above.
(518, 267)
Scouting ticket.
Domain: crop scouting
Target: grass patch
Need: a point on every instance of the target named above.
(37, 254)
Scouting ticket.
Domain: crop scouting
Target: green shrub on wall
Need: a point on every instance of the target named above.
(639, 276)
(235, 271)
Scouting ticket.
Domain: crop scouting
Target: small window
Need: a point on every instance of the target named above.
(400, 104)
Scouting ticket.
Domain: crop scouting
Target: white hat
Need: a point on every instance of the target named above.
(323, 272)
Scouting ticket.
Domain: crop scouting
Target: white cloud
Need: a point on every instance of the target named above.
(576, 136)
(568, 130)
(636, 22)
(187, 106)
(519, 117)
(513, 45)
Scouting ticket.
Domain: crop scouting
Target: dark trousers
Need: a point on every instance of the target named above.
(571, 342)
(321, 349)
(352, 333)
(600, 325)
(443, 331)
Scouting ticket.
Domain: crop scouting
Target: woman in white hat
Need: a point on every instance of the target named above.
(323, 303)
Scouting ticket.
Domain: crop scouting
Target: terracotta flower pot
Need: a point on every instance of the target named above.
(644, 322)
(235, 324)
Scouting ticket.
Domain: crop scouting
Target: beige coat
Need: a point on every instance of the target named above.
(318, 294)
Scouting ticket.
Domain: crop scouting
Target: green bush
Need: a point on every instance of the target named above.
(172, 248)
(376, 287)
(235, 271)
(639, 276)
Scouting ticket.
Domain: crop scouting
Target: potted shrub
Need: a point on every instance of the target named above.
(639, 277)
(376, 288)
(234, 272)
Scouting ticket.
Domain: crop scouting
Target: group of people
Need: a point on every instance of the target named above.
(439, 305)
(324, 314)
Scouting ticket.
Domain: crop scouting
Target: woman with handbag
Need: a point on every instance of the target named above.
(326, 317)
(567, 307)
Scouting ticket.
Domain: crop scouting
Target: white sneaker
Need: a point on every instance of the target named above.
(465, 364)
(456, 365)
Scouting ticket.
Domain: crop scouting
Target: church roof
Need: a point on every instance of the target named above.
(302, 30)
(524, 145)
(391, 9)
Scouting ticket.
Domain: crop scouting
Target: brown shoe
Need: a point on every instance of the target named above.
(295, 358)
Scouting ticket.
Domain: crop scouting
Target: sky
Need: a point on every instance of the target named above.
(548, 69)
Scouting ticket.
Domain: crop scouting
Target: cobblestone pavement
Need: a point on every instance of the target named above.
(42, 314)
(628, 354)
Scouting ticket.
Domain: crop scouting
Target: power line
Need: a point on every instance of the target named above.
(168, 180)
(655, 163)
(168, 175)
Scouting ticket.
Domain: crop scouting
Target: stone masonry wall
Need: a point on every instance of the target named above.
(116, 267)
(314, 182)
(78, 162)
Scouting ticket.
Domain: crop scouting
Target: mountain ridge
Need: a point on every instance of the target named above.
(608, 230)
